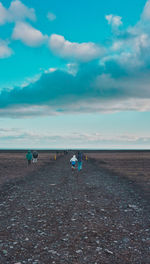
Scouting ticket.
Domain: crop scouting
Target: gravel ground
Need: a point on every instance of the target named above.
(59, 216)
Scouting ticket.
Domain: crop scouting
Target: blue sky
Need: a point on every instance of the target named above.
(74, 74)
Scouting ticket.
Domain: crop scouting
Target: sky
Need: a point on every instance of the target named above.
(75, 74)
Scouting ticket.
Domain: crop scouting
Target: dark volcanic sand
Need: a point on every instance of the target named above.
(132, 165)
(13, 164)
(53, 215)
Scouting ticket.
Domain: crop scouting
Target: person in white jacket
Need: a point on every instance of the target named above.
(73, 162)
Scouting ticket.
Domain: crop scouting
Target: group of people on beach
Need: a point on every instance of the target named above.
(77, 161)
(32, 157)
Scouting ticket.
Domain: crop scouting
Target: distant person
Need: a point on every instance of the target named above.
(73, 162)
(35, 156)
(29, 157)
(79, 158)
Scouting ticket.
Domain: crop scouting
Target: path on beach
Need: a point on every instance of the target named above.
(59, 216)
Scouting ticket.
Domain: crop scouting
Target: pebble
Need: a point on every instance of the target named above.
(98, 249)
(134, 207)
(108, 251)
(126, 239)
(52, 251)
(78, 251)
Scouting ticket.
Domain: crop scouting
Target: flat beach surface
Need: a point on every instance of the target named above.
(49, 214)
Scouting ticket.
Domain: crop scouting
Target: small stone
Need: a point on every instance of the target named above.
(65, 239)
(98, 249)
(52, 251)
(126, 239)
(108, 251)
(132, 206)
(78, 251)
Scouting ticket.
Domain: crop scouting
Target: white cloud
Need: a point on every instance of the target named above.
(28, 34)
(130, 53)
(23, 111)
(81, 106)
(72, 68)
(133, 86)
(3, 14)
(117, 45)
(16, 12)
(50, 70)
(94, 137)
(30, 80)
(19, 11)
(113, 20)
(36, 137)
(110, 105)
(80, 51)
(146, 11)
(141, 41)
(131, 47)
(51, 16)
(5, 51)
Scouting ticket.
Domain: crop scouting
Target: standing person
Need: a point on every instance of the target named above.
(29, 157)
(79, 157)
(35, 156)
(73, 162)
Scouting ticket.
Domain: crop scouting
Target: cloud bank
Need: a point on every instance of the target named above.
(92, 89)
(35, 138)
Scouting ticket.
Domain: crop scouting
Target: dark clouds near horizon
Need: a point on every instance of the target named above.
(92, 82)
(60, 87)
